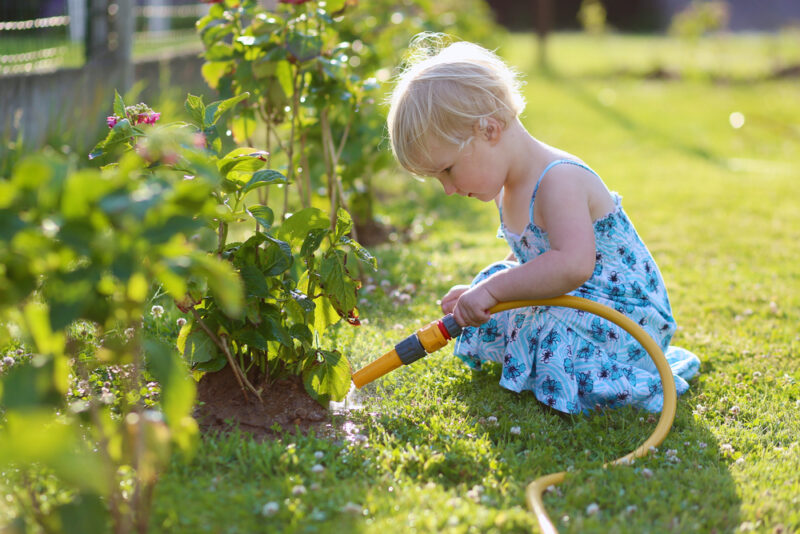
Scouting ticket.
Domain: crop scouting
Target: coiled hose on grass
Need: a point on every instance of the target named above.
(436, 335)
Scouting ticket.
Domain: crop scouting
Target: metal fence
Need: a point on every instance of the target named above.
(62, 60)
(42, 35)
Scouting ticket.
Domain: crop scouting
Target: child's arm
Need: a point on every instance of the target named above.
(563, 203)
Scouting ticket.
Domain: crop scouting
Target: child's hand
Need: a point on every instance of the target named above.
(449, 300)
(472, 308)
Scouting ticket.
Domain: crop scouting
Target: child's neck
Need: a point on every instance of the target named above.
(527, 158)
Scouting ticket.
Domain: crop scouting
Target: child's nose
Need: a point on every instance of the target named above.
(449, 189)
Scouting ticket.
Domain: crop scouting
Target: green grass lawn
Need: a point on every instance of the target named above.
(718, 208)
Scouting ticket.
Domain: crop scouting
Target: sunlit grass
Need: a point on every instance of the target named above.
(717, 205)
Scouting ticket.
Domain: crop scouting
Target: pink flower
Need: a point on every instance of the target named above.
(112, 120)
(293, 2)
(149, 117)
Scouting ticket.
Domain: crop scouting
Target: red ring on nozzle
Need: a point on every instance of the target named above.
(443, 330)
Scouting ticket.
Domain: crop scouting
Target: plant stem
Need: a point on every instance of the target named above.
(293, 124)
(237, 372)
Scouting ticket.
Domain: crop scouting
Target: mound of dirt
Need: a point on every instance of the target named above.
(223, 407)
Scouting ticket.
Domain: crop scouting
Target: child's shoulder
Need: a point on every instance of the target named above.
(571, 175)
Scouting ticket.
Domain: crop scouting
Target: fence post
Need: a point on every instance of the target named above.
(124, 25)
(109, 38)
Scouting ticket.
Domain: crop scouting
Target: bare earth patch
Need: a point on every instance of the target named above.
(286, 406)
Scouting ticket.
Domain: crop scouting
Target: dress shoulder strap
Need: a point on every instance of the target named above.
(550, 166)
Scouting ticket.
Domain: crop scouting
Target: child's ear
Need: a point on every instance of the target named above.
(489, 129)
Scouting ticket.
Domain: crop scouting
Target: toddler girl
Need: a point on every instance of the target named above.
(455, 116)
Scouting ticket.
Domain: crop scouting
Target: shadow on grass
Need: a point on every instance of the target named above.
(668, 490)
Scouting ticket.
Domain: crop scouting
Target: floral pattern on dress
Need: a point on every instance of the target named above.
(574, 361)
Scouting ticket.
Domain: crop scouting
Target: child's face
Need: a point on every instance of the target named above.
(474, 172)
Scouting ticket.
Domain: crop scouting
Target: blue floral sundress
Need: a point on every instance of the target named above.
(572, 360)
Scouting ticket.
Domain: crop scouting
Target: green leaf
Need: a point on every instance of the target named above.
(328, 379)
(313, 241)
(362, 253)
(254, 281)
(85, 513)
(120, 135)
(243, 159)
(265, 177)
(252, 339)
(221, 106)
(212, 71)
(243, 126)
(344, 223)
(197, 109)
(212, 366)
(219, 52)
(42, 437)
(273, 328)
(295, 229)
(277, 257)
(199, 348)
(27, 386)
(302, 333)
(263, 215)
(303, 301)
(283, 71)
(225, 285)
(37, 320)
(303, 46)
(337, 283)
(119, 106)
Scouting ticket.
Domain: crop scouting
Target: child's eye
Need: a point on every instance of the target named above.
(448, 169)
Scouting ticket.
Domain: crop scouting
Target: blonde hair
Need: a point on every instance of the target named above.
(442, 93)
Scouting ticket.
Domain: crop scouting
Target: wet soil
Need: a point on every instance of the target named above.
(285, 406)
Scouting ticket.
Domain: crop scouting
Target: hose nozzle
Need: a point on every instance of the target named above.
(427, 339)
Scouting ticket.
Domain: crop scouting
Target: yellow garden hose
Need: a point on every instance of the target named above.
(435, 335)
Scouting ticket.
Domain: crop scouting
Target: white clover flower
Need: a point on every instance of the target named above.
(8, 361)
(515, 430)
(317, 469)
(702, 444)
(647, 473)
(592, 509)
(475, 493)
(734, 410)
(315, 486)
(129, 332)
(727, 448)
(181, 322)
(631, 509)
(352, 508)
(318, 455)
(492, 420)
(299, 490)
(157, 311)
(270, 508)
(739, 461)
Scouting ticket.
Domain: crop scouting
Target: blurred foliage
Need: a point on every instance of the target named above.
(314, 82)
(700, 18)
(592, 16)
